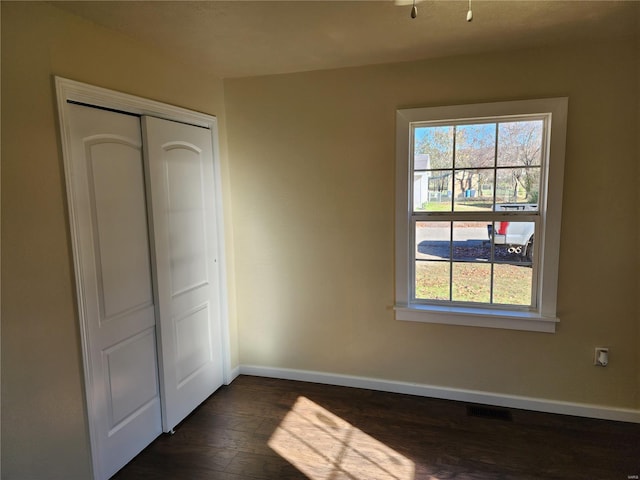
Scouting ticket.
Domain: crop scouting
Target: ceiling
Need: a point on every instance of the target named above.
(247, 38)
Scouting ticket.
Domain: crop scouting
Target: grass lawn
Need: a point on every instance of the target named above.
(472, 282)
(460, 206)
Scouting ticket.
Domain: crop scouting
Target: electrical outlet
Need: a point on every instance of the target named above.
(601, 358)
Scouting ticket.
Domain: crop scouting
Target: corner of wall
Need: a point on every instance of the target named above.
(638, 196)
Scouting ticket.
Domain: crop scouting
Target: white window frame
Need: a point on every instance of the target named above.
(543, 317)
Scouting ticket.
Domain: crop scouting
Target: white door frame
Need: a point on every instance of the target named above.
(77, 92)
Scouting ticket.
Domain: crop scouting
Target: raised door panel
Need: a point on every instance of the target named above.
(120, 225)
(193, 349)
(185, 189)
(133, 384)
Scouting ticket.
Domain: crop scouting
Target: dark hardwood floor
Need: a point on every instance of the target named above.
(260, 428)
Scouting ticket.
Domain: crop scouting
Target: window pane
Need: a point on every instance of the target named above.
(520, 143)
(517, 188)
(433, 240)
(471, 282)
(433, 148)
(475, 146)
(471, 241)
(513, 241)
(432, 280)
(512, 284)
(432, 191)
(473, 190)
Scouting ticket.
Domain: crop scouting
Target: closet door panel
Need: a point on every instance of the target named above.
(179, 160)
(113, 269)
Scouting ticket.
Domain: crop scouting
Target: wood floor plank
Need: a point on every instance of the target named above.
(263, 429)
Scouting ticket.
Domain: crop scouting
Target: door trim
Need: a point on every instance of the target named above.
(77, 92)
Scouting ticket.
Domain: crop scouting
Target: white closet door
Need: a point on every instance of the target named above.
(179, 160)
(113, 269)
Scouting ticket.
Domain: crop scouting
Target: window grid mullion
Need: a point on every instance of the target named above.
(451, 261)
(495, 169)
(493, 207)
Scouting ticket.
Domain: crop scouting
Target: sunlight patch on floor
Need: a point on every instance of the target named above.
(325, 447)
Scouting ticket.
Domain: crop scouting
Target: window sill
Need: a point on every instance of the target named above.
(476, 317)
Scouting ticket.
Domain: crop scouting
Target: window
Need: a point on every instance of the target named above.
(479, 192)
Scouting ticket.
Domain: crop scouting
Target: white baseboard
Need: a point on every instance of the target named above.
(232, 375)
(470, 396)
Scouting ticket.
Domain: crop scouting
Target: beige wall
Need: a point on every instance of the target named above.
(44, 430)
(312, 177)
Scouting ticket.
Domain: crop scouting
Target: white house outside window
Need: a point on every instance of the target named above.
(479, 191)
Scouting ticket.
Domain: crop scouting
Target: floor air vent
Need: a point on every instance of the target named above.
(489, 412)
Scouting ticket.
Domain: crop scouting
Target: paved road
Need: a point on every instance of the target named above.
(468, 243)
